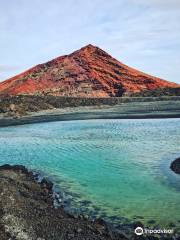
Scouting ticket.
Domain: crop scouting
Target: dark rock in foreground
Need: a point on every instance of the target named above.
(27, 212)
(175, 166)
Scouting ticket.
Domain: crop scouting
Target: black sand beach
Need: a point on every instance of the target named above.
(169, 108)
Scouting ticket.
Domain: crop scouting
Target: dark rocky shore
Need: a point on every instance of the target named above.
(27, 212)
(175, 166)
(26, 110)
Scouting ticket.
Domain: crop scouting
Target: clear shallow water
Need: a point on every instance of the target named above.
(120, 166)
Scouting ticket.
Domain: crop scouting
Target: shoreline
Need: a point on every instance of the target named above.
(140, 110)
(35, 196)
(6, 122)
(28, 197)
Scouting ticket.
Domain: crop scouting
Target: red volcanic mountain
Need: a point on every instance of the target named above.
(88, 72)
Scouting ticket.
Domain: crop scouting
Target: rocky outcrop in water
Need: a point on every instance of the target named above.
(175, 166)
(27, 212)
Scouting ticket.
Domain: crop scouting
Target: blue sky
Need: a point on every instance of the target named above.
(144, 34)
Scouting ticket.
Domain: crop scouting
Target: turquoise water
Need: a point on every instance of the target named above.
(120, 166)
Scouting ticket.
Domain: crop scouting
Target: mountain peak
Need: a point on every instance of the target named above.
(87, 72)
(89, 46)
(92, 48)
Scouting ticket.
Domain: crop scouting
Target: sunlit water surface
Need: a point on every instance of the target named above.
(116, 169)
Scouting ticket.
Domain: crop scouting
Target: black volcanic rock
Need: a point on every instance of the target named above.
(27, 211)
(175, 166)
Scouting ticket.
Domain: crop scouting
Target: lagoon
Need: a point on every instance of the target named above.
(115, 169)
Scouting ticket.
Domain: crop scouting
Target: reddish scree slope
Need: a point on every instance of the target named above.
(88, 72)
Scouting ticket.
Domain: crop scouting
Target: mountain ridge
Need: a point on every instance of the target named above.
(87, 72)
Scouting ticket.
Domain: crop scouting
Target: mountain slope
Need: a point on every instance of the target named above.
(88, 72)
